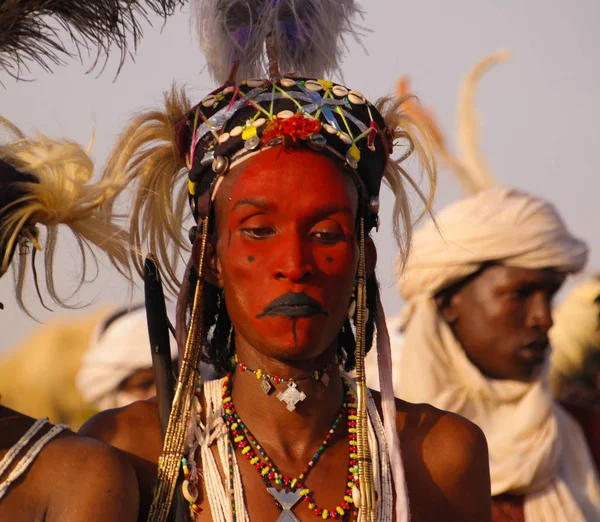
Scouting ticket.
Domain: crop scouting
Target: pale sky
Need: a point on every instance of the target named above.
(540, 111)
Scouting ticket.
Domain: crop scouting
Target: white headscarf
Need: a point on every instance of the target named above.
(116, 353)
(535, 448)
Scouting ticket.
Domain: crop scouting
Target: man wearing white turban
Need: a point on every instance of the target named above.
(117, 368)
(478, 285)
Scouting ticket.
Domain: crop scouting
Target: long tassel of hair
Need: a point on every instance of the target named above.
(388, 405)
(56, 189)
(179, 420)
(368, 501)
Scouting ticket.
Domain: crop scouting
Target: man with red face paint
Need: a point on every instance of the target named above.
(280, 294)
(476, 329)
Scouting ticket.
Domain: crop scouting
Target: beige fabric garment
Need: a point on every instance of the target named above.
(535, 448)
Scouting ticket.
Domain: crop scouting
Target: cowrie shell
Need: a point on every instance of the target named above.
(285, 114)
(313, 86)
(340, 90)
(345, 138)
(259, 122)
(209, 101)
(287, 82)
(356, 98)
(356, 496)
(224, 137)
(236, 131)
(255, 83)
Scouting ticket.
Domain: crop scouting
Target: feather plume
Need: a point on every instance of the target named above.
(29, 29)
(309, 35)
(469, 167)
(146, 159)
(479, 176)
(415, 136)
(56, 190)
(428, 119)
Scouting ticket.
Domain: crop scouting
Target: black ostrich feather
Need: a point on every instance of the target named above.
(30, 30)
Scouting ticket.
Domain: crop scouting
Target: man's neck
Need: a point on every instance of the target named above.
(295, 433)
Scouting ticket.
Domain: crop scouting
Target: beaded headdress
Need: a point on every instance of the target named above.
(199, 145)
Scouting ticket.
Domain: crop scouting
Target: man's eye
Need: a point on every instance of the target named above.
(258, 232)
(328, 237)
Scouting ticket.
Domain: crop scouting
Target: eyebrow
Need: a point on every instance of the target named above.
(259, 203)
(328, 210)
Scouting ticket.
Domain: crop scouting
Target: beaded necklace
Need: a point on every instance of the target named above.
(291, 396)
(317, 375)
(241, 437)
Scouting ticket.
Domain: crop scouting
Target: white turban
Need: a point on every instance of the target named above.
(496, 224)
(115, 354)
(535, 448)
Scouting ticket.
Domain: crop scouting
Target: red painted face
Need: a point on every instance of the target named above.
(287, 251)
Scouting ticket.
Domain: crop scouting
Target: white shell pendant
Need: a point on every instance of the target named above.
(356, 496)
(190, 492)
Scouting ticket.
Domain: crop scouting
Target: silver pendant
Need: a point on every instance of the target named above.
(265, 386)
(287, 500)
(291, 396)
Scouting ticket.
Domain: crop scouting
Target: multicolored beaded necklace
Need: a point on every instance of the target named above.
(291, 396)
(317, 375)
(241, 437)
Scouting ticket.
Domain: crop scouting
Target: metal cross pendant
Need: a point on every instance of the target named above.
(291, 396)
(287, 500)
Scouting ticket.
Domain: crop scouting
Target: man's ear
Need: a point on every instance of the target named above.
(370, 256)
(212, 268)
(448, 304)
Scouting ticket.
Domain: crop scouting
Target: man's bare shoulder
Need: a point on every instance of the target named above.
(444, 456)
(93, 482)
(120, 427)
(75, 479)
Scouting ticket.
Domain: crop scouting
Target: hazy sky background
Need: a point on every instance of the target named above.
(540, 111)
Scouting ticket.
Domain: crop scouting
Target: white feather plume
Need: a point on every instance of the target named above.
(309, 35)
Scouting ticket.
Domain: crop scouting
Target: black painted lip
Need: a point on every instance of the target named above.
(293, 304)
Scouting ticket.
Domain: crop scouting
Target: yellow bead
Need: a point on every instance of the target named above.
(191, 188)
(352, 417)
(226, 400)
(258, 373)
(245, 450)
(348, 499)
(304, 492)
(293, 483)
(340, 510)
(235, 425)
(351, 430)
(247, 133)
(265, 470)
(254, 461)
(311, 505)
(239, 438)
(325, 514)
(326, 84)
